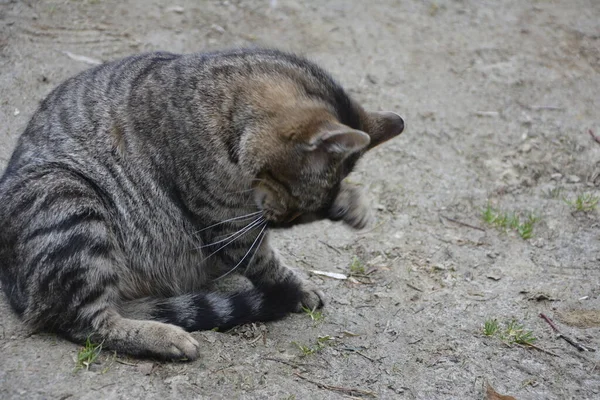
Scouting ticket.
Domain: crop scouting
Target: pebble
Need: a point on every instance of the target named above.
(573, 179)
(378, 261)
(17, 112)
(556, 176)
(526, 148)
(176, 9)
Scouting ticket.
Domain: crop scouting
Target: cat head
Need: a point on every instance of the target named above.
(304, 151)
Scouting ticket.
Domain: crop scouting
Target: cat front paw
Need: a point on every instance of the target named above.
(312, 297)
(351, 208)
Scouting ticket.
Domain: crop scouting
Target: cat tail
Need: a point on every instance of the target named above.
(200, 311)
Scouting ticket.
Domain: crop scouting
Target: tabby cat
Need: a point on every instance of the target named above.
(140, 181)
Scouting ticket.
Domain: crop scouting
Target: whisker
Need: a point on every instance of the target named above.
(235, 238)
(230, 219)
(241, 191)
(232, 235)
(261, 236)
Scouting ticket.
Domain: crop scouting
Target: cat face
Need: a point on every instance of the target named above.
(310, 153)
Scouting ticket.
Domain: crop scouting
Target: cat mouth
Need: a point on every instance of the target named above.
(284, 222)
(294, 216)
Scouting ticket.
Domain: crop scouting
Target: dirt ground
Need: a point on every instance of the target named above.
(499, 98)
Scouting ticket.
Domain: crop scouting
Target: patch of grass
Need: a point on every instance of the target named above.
(490, 327)
(356, 267)
(313, 314)
(585, 202)
(525, 228)
(87, 355)
(320, 344)
(554, 193)
(306, 350)
(512, 333)
(516, 333)
(510, 221)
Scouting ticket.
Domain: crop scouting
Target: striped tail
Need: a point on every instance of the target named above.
(205, 311)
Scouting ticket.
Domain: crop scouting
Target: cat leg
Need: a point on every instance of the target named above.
(267, 271)
(63, 273)
(144, 338)
(79, 299)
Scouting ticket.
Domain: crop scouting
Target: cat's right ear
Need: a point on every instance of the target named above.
(383, 126)
(340, 139)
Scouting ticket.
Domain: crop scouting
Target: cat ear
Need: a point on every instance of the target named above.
(382, 126)
(340, 139)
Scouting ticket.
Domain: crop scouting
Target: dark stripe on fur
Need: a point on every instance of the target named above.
(72, 221)
(267, 303)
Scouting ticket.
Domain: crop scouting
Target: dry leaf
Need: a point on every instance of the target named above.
(83, 59)
(333, 275)
(491, 394)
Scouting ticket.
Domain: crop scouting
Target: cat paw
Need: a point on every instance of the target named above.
(312, 297)
(359, 217)
(155, 339)
(182, 345)
(351, 208)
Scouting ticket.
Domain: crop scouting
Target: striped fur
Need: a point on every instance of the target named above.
(140, 181)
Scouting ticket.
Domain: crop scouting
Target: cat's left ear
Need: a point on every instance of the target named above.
(382, 126)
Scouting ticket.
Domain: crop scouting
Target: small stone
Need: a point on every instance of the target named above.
(176, 9)
(539, 242)
(378, 261)
(573, 179)
(526, 148)
(218, 28)
(494, 275)
(210, 337)
(440, 267)
(17, 112)
(555, 177)
(145, 367)
(541, 296)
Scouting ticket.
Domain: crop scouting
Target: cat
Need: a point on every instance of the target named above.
(138, 182)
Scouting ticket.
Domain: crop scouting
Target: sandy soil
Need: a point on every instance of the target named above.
(498, 97)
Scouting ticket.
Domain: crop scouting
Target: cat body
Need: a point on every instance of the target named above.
(140, 181)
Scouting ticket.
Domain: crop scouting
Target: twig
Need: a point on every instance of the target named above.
(256, 339)
(291, 363)
(103, 386)
(463, 223)
(486, 113)
(362, 234)
(360, 353)
(125, 363)
(550, 108)
(569, 340)
(539, 108)
(331, 247)
(533, 346)
(596, 138)
(413, 287)
(348, 391)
